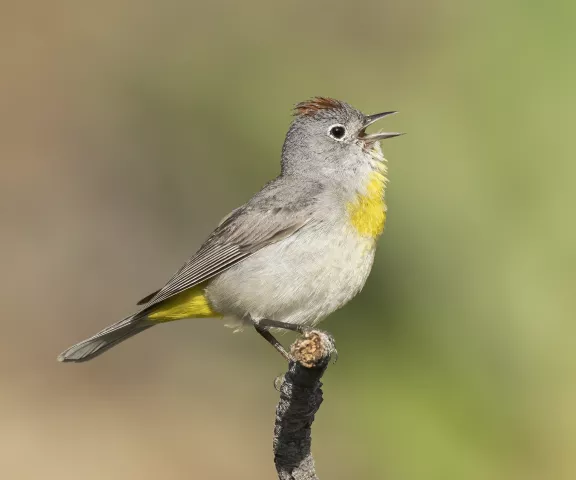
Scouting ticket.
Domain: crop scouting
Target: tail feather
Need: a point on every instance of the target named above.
(104, 340)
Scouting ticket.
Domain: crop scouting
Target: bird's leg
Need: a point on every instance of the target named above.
(271, 339)
(265, 322)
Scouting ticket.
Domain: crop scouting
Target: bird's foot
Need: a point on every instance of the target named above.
(303, 349)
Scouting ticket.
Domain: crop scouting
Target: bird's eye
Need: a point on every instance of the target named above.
(337, 132)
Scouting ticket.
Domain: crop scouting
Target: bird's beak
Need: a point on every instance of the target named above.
(376, 137)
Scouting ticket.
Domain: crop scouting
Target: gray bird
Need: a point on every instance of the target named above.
(298, 250)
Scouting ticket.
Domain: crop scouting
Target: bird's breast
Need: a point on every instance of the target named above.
(367, 211)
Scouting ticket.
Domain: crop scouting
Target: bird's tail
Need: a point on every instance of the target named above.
(105, 339)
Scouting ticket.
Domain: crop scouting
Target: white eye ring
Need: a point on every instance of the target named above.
(337, 132)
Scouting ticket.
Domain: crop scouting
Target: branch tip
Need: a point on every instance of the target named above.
(314, 349)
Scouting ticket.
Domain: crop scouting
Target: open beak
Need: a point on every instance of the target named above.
(376, 137)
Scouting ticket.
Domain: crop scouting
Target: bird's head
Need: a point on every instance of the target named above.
(329, 136)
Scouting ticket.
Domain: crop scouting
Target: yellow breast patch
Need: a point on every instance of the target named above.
(368, 211)
(191, 303)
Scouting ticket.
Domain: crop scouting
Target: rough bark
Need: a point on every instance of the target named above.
(300, 399)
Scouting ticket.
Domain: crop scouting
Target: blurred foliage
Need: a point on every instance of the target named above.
(131, 128)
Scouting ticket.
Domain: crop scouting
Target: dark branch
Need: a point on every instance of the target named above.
(300, 399)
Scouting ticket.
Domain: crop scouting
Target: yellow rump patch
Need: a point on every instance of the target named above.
(368, 211)
(191, 303)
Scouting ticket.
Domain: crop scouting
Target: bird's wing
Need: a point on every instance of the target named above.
(150, 296)
(241, 234)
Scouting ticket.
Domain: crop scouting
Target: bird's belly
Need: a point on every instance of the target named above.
(301, 279)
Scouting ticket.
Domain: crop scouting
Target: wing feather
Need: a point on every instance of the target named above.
(240, 235)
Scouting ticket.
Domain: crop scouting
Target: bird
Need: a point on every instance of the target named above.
(298, 250)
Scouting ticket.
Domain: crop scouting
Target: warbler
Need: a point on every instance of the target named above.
(298, 250)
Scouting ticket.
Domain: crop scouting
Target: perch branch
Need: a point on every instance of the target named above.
(300, 399)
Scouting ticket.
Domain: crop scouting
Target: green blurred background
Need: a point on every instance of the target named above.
(129, 128)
